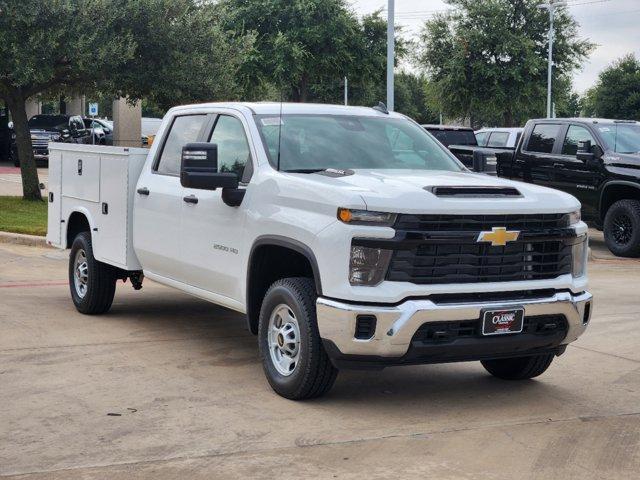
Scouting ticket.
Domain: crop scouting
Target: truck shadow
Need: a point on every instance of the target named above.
(221, 339)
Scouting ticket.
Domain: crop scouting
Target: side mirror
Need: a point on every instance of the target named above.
(587, 153)
(199, 168)
(485, 162)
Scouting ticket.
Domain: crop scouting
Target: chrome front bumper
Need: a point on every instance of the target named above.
(397, 324)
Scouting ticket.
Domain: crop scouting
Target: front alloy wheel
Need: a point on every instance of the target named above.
(284, 340)
(622, 228)
(293, 356)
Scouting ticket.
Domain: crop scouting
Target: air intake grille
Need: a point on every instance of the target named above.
(444, 332)
(475, 192)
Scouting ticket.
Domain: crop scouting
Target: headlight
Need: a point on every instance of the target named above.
(579, 256)
(575, 217)
(365, 217)
(368, 266)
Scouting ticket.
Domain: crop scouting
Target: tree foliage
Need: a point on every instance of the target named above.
(488, 60)
(305, 48)
(617, 92)
(169, 50)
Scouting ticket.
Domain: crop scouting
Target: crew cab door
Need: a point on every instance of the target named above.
(573, 175)
(212, 231)
(536, 161)
(159, 200)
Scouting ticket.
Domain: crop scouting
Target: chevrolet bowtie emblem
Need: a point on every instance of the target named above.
(498, 236)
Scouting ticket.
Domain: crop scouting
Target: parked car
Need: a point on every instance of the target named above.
(102, 131)
(149, 127)
(461, 141)
(349, 236)
(499, 137)
(597, 161)
(52, 128)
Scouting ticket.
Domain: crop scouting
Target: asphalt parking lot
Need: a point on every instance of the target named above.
(168, 386)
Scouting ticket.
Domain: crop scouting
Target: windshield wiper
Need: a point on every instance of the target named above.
(304, 170)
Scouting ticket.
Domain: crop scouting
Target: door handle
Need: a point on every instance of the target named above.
(558, 165)
(190, 199)
(143, 191)
(518, 160)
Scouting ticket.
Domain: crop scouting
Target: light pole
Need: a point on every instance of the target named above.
(390, 54)
(551, 6)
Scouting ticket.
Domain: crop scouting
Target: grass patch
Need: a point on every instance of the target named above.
(21, 216)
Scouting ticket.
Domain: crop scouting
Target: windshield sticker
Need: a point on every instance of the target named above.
(604, 129)
(272, 121)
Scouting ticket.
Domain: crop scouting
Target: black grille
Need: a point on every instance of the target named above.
(472, 262)
(441, 249)
(467, 223)
(445, 332)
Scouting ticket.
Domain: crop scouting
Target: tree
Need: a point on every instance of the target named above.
(617, 92)
(305, 48)
(170, 50)
(411, 98)
(488, 60)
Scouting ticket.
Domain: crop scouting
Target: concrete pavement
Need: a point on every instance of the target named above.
(11, 182)
(168, 386)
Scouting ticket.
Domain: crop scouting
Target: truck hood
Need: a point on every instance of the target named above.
(628, 160)
(408, 191)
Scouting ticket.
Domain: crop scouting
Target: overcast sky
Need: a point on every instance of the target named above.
(612, 24)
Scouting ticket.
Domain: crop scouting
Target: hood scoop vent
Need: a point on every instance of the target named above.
(474, 192)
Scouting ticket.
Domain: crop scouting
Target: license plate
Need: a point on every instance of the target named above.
(500, 322)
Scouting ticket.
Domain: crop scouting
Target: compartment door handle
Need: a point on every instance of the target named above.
(143, 191)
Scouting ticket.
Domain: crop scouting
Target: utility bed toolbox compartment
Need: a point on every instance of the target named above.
(98, 182)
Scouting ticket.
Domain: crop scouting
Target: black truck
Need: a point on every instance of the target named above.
(52, 128)
(461, 141)
(597, 161)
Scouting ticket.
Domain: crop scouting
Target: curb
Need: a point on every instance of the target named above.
(21, 239)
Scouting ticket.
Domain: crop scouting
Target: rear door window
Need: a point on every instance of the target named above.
(543, 137)
(185, 129)
(498, 139)
(575, 135)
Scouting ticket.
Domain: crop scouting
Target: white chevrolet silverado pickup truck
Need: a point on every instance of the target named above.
(348, 236)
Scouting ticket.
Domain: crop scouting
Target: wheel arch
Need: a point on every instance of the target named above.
(617, 190)
(79, 220)
(265, 266)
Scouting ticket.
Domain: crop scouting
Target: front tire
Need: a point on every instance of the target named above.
(293, 357)
(520, 368)
(622, 228)
(92, 283)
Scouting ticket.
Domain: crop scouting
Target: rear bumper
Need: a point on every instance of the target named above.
(396, 325)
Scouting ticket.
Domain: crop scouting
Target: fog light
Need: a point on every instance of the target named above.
(368, 266)
(579, 256)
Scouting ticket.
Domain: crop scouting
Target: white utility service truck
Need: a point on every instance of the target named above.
(348, 236)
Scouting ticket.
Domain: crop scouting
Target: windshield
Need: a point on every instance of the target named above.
(318, 142)
(621, 137)
(48, 121)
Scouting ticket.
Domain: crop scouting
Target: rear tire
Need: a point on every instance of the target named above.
(520, 368)
(622, 228)
(92, 283)
(293, 357)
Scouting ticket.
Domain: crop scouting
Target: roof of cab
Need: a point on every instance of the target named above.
(274, 108)
(581, 120)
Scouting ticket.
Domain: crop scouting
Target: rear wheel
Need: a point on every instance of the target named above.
(92, 283)
(520, 368)
(293, 357)
(622, 228)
